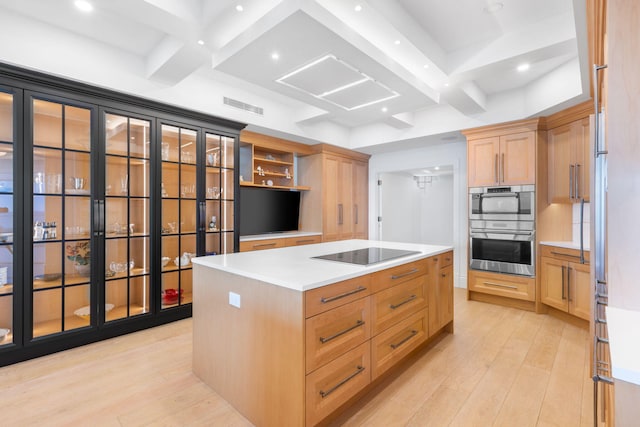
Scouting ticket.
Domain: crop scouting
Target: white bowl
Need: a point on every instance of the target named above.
(3, 333)
(85, 311)
(165, 260)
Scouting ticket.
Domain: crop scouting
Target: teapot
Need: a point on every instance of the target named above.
(184, 260)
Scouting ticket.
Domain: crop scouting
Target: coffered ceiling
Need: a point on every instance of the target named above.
(372, 75)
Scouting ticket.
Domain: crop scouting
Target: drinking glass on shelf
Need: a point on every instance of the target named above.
(54, 183)
(124, 184)
(165, 150)
(38, 182)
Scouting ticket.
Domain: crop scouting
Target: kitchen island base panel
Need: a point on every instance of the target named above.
(258, 351)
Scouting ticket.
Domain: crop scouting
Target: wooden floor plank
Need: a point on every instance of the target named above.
(502, 367)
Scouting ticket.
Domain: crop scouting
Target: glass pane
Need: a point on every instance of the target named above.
(187, 249)
(227, 243)
(116, 182)
(6, 117)
(116, 135)
(116, 220)
(47, 171)
(170, 253)
(170, 180)
(77, 265)
(139, 171)
(116, 299)
(77, 311)
(139, 138)
(47, 312)
(213, 216)
(77, 218)
(187, 146)
(6, 168)
(77, 173)
(170, 289)
(117, 258)
(227, 183)
(139, 217)
(139, 251)
(47, 217)
(170, 143)
(188, 216)
(170, 219)
(186, 287)
(6, 318)
(227, 216)
(212, 150)
(77, 131)
(139, 296)
(227, 152)
(212, 245)
(47, 124)
(47, 265)
(213, 183)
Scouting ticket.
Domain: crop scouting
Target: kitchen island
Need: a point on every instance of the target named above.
(289, 339)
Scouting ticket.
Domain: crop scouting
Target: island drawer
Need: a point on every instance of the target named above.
(334, 332)
(325, 298)
(395, 275)
(519, 287)
(442, 260)
(332, 385)
(390, 306)
(392, 345)
(302, 240)
(258, 245)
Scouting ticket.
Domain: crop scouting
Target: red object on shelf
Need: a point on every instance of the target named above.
(170, 296)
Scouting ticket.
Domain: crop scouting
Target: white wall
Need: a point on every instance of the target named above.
(417, 215)
(446, 154)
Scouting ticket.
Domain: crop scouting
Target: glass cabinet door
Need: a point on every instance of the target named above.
(6, 217)
(127, 217)
(219, 195)
(179, 213)
(62, 171)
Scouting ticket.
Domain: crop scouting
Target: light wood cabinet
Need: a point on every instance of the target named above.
(569, 162)
(502, 160)
(441, 291)
(338, 203)
(278, 242)
(564, 282)
(503, 285)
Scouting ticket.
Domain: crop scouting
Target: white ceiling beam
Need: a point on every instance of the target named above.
(401, 120)
(172, 60)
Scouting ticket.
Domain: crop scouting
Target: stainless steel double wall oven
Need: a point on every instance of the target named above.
(502, 229)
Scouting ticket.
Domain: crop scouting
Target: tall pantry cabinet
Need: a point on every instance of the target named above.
(338, 204)
(104, 198)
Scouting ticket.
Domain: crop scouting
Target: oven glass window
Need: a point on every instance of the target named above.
(516, 252)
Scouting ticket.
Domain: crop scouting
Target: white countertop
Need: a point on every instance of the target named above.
(279, 235)
(624, 343)
(294, 268)
(566, 244)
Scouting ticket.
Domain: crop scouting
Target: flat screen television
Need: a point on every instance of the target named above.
(265, 210)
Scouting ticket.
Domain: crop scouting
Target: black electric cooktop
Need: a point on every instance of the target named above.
(367, 256)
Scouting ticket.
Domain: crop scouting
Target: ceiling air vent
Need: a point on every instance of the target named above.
(243, 106)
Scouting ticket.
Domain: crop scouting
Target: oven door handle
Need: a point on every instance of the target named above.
(519, 233)
(490, 195)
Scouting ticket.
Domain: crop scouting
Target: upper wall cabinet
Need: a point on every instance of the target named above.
(569, 154)
(502, 155)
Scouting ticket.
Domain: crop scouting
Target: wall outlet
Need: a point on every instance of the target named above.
(234, 299)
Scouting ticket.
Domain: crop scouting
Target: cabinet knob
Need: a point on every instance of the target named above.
(444, 275)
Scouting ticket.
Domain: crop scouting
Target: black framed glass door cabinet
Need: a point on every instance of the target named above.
(104, 199)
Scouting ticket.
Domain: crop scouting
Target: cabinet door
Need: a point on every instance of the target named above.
(483, 164)
(582, 158)
(331, 197)
(127, 255)
(518, 159)
(361, 199)
(346, 219)
(579, 294)
(553, 287)
(62, 260)
(7, 228)
(560, 158)
(445, 296)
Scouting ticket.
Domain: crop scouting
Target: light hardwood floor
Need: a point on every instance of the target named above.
(502, 367)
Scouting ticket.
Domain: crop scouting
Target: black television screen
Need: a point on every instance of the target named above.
(265, 210)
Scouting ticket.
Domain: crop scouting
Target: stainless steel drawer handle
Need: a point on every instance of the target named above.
(359, 370)
(500, 285)
(325, 300)
(408, 273)
(400, 304)
(563, 254)
(264, 245)
(337, 334)
(404, 340)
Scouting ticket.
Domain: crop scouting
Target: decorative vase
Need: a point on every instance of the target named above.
(83, 269)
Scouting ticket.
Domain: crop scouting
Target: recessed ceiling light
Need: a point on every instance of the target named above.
(358, 8)
(425, 66)
(493, 7)
(239, 8)
(437, 168)
(275, 56)
(397, 42)
(3, 153)
(384, 109)
(84, 5)
(201, 42)
(446, 85)
(523, 67)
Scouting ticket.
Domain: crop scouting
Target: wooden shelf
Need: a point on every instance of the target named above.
(280, 187)
(272, 162)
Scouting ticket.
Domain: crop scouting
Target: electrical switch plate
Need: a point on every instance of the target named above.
(234, 299)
